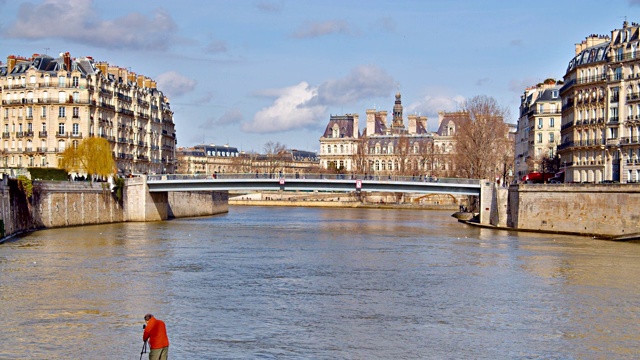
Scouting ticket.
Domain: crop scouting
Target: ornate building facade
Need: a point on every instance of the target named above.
(601, 109)
(538, 131)
(49, 104)
(387, 149)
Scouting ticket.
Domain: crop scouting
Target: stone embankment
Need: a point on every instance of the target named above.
(62, 203)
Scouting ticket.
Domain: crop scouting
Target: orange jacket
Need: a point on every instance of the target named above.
(156, 333)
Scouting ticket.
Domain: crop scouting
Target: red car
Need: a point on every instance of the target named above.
(537, 178)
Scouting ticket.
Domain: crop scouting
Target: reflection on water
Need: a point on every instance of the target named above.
(297, 283)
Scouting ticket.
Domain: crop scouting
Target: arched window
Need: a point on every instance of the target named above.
(61, 146)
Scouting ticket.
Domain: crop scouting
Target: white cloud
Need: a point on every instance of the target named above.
(431, 105)
(363, 82)
(230, 117)
(288, 112)
(77, 21)
(316, 29)
(174, 84)
(304, 106)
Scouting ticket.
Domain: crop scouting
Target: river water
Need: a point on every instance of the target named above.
(309, 283)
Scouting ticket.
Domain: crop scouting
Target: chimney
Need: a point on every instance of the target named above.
(67, 61)
(413, 124)
(140, 81)
(11, 62)
(356, 125)
(371, 122)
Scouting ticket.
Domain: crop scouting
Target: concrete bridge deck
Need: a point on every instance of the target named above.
(317, 182)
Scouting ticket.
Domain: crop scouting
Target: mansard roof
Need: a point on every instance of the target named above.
(344, 122)
(593, 54)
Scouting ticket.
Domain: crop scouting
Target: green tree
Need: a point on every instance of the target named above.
(93, 156)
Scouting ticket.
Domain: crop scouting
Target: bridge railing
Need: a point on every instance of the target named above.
(314, 177)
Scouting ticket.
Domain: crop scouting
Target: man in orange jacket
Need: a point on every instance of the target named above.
(156, 332)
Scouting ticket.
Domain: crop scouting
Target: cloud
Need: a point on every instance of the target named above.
(519, 85)
(174, 84)
(634, 2)
(304, 106)
(268, 6)
(366, 81)
(316, 29)
(230, 117)
(386, 23)
(483, 81)
(216, 47)
(288, 112)
(431, 105)
(515, 43)
(77, 21)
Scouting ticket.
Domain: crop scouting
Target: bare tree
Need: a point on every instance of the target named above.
(482, 139)
(402, 152)
(359, 162)
(276, 156)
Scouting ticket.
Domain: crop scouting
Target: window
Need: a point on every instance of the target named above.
(539, 138)
(62, 111)
(44, 127)
(539, 123)
(30, 127)
(551, 122)
(61, 81)
(29, 112)
(551, 137)
(554, 94)
(76, 129)
(76, 112)
(43, 114)
(61, 128)
(74, 81)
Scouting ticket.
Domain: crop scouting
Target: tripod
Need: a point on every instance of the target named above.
(144, 349)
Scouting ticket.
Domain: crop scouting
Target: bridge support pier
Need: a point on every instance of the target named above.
(142, 205)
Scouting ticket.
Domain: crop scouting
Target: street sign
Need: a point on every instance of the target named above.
(358, 184)
(281, 181)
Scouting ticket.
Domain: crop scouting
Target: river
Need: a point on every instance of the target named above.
(313, 283)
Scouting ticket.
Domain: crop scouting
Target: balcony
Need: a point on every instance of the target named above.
(19, 134)
(42, 149)
(613, 119)
(6, 135)
(62, 134)
(42, 134)
(76, 135)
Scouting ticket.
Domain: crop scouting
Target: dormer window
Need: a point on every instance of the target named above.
(336, 132)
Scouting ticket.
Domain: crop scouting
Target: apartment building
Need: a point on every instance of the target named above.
(601, 109)
(538, 131)
(51, 103)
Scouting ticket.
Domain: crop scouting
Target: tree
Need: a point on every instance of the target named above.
(481, 139)
(93, 156)
(402, 152)
(276, 156)
(359, 162)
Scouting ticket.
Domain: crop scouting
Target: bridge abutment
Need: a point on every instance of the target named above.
(142, 205)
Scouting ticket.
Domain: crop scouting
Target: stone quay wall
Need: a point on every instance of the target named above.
(602, 210)
(60, 204)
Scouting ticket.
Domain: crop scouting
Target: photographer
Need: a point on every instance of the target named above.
(156, 332)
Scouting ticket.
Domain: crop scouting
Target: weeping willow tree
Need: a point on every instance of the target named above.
(93, 156)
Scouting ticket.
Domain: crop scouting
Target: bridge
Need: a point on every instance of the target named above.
(313, 182)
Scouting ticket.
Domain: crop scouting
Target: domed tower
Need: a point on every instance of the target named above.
(397, 124)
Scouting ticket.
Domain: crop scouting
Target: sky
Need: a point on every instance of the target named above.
(246, 72)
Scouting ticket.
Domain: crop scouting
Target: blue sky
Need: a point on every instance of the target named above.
(245, 72)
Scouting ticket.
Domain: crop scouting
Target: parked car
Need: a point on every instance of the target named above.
(558, 178)
(537, 177)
